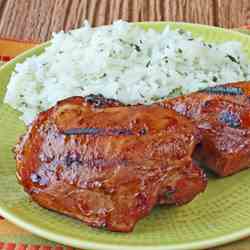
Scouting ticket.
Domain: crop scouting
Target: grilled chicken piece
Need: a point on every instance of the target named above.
(222, 114)
(108, 165)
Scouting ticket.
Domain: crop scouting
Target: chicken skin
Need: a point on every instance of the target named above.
(107, 164)
(222, 114)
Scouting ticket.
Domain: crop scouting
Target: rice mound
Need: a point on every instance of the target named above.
(124, 62)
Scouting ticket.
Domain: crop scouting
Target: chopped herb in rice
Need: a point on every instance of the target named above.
(124, 62)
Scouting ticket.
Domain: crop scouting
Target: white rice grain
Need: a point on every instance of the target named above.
(123, 62)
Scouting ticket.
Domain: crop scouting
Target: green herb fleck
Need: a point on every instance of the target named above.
(165, 58)
(24, 104)
(137, 48)
(102, 76)
(215, 79)
(39, 107)
(181, 31)
(148, 63)
(141, 95)
(155, 98)
(233, 59)
(176, 92)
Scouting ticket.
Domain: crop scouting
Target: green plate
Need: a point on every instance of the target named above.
(218, 216)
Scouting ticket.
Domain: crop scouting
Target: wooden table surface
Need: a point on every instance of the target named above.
(35, 20)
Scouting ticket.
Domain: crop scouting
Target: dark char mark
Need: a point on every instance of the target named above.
(223, 90)
(98, 131)
(39, 178)
(99, 101)
(230, 119)
(72, 158)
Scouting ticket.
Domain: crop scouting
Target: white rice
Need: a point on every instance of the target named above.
(123, 62)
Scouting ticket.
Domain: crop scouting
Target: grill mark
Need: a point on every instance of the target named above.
(98, 131)
(223, 90)
(70, 159)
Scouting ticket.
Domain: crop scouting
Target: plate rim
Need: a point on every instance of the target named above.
(71, 241)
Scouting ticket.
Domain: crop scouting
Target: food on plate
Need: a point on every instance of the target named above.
(108, 164)
(123, 62)
(222, 114)
(116, 114)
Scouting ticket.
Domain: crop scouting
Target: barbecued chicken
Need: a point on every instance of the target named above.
(222, 114)
(106, 164)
